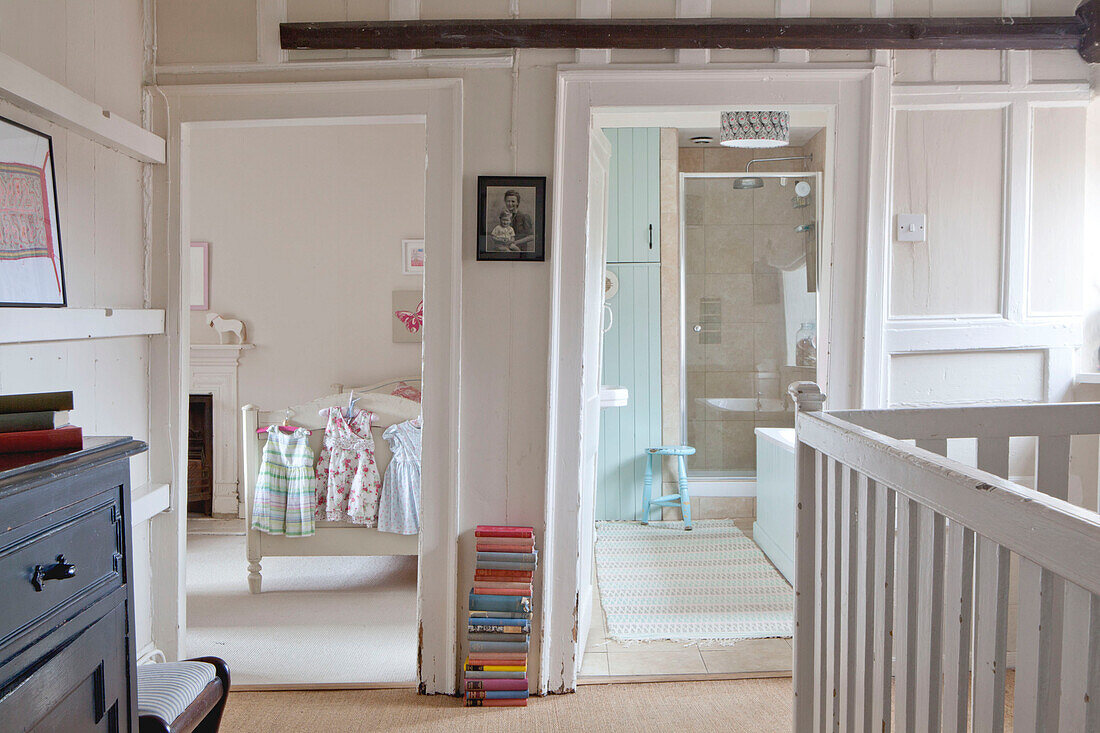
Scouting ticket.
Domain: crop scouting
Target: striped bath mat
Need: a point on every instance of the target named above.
(713, 583)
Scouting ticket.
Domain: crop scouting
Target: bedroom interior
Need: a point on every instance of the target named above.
(869, 367)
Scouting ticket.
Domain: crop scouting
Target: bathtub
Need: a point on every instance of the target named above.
(773, 529)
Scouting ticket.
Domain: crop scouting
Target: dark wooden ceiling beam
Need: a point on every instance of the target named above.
(1080, 32)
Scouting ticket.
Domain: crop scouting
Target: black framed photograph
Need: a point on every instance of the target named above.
(511, 218)
(31, 272)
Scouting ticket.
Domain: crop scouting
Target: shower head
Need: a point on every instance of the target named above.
(742, 184)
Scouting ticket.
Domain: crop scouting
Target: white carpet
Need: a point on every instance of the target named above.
(713, 583)
(319, 620)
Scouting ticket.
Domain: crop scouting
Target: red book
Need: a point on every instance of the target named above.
(495, 684)
(519, 702)
(16, 460)
(488, 530)
(482, 590)
(521, 576)
(481, 547)
(526, 542)
(65, 438)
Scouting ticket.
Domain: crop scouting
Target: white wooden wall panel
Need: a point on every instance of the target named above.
(1057, 210)
(949, 165)
(961, 377)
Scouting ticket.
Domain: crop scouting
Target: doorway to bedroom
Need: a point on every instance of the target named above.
(303, 507)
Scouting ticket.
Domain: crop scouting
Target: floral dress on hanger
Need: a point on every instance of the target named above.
(399, 509)
(348, 484)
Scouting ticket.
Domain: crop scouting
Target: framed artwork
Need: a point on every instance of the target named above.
(200, 276)
(31, 271)
(408, 316)
(511, 218)
(412, 257)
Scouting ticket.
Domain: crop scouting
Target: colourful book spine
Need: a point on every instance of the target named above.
(502, 565)
(41, 440)
(520, 647)
(483, 547)
(475, 703)
(494, 541)
(483, 602)
(515, 576)
(497, 684)
(497, 629)
(490, 668)
(15, 422)
(496, 694)
(500, 658)
(515, 585)
(40, 402)
(473, 674)
(524, 615)
(17, 460)
(491, 530)
(490, 591)
(485, 636)
(526, 558)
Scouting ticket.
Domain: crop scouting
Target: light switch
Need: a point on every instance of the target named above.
(911, 227)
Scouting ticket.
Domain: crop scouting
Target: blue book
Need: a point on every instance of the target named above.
(518, 647)
(501, 621)
(508, 615)
(499, 603)
(497, 694)
(498, 636)
(527, 558)
(476, 675)
(495, 565)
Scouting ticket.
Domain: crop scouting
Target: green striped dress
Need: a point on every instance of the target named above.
(286, 486)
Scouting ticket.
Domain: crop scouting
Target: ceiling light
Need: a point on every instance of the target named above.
(755, 129)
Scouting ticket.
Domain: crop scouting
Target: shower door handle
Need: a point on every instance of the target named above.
(651, 236)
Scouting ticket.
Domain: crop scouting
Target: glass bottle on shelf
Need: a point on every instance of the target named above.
(805, 346)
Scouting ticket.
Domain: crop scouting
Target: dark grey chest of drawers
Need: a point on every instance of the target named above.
(67, 654)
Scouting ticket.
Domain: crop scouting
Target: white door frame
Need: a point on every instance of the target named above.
(438, 104)
(859, 95)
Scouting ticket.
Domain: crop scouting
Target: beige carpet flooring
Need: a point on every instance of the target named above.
(319, 620)
(754, 706)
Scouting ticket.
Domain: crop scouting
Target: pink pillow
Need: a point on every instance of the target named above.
(407, 391)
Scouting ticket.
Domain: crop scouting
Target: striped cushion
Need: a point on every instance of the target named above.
(165, 690)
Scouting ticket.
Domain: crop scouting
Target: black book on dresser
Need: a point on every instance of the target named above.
(67, 655)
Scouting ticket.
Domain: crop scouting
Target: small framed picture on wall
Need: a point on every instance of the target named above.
(31, 271)
(511, 218)
(412, 257)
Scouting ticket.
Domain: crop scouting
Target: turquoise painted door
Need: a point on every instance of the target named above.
(634, 209)
(632, 359)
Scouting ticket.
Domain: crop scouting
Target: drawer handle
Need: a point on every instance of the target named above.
(60, 570)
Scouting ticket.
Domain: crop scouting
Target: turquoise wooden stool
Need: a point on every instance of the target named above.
(682, 499)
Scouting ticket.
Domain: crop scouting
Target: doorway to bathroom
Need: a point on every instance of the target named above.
(712, 271)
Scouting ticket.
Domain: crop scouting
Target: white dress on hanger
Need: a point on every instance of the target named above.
(399, 507)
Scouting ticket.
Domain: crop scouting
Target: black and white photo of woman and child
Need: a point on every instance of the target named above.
(509, 219)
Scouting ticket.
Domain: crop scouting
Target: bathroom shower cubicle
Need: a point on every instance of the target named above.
(750, 271)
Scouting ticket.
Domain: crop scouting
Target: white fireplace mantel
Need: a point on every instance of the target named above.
(214, 372)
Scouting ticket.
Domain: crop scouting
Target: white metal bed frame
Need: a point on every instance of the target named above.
(331, 538)
(902, 571)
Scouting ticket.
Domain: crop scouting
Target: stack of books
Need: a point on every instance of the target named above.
(35, 427)
(500, 617)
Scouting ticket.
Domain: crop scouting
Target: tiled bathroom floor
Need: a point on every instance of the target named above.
(606, 660)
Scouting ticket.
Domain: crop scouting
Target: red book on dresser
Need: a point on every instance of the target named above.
(69, 437)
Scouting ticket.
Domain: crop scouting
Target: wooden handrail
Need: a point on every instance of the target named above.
(1080, 32)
